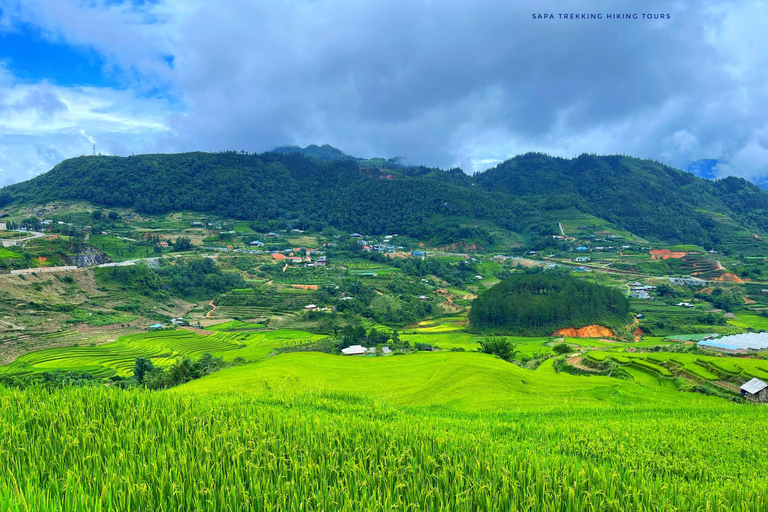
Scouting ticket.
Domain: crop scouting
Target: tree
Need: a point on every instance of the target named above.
(182, 244)
(113, 215)
(97, 214)
(499, 346)
(561, 348)
(141, 367)
(665, 290)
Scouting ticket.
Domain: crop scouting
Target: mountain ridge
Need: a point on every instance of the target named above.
(521, 195)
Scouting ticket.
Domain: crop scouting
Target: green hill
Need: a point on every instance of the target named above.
(642, 196)
(542, 303)
(318, 187)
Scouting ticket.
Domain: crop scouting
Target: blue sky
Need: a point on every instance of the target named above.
(450, 83)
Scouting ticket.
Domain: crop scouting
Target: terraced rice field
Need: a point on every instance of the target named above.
(707, 368)
(750, 321)
(234, 325)
(161, 347)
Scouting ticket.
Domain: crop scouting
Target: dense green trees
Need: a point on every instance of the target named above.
(277, 190)
(541, 303)
(197, 278)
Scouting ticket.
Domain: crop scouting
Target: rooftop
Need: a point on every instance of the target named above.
(754, 386)
(746, 341)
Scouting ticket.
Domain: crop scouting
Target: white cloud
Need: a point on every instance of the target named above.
(448, 83)
(40, 124)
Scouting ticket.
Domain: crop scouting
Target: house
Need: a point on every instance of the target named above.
(256, 243)
(320, 262)
(582, 227)
(3, 226)
(355, 235)
(163, 244)
(582, 248)
(154, 327)
(684, 304)
(273, 235)
(532, 253)
(478, 277)
(178, 321)
(354, 350)
(310, 307)
(583, 258)
(756, 390)
(419, 254)
(423, 297)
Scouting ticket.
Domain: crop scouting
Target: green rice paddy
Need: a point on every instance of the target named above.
(750, 321)
(162, 347)
(87, 449)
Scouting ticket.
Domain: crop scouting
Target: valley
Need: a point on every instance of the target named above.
(193, 327)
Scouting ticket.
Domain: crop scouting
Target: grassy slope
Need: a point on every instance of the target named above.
(467, 381)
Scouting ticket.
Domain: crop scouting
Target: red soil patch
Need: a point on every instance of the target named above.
(663, 254)
(305, 286)
(728, 277)
(588, 331)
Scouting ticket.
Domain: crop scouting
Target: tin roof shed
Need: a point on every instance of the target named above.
(754, 386)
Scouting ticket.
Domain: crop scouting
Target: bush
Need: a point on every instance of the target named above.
(499, 346)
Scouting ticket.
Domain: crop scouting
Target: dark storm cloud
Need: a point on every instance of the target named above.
(407, 79)
(442, 83)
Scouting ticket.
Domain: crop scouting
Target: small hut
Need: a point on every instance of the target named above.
(755, 390)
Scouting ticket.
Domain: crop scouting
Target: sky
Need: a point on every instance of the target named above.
(442, 83)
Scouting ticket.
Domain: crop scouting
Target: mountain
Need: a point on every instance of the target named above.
(526, 194)
(325, 152)
(644, 197)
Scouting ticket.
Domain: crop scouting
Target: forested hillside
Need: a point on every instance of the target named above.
(642, 196)
(520, 195)
(544, 302)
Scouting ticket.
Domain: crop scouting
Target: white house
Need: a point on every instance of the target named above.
(354, 350)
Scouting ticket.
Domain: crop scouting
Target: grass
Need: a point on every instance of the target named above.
(161, 347)
(234, 325)
(750, 321)
(459, 380)
(5, 253)
(119, 250)
(87, 449)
